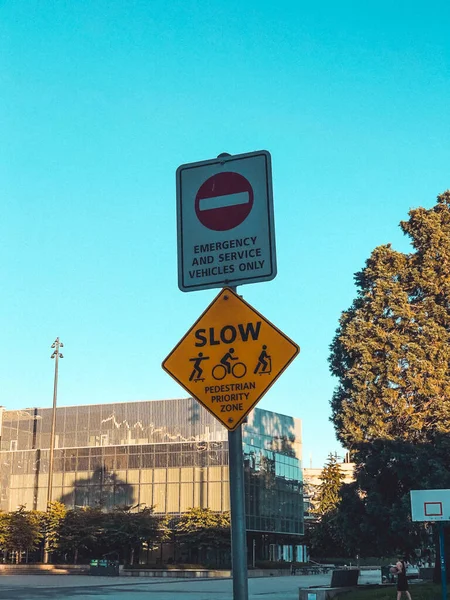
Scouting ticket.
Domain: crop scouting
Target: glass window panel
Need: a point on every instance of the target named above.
(159, 497)
(82, 496)
(148, 461)
(200, 474)
(187, 474)
(134, 461)
(133, 476)
(187, 459)
(225, 473)
(173, 475)
(146, 495)
(174, 460)
(159, 475)
(201, 494)
(225, 496)
(122, 462)
(121, 475)
(133, 490)
(160, 460)
(42, 500)
(56, 493)
(186, 496)
(173, 498)
(57, 480)
(83, 476)
(214, 473)
(215, 496)
(123, 494)
(146, 476)
(109, 463)
(83, 463)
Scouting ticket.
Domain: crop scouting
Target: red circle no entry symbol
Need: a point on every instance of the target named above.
(224, 201)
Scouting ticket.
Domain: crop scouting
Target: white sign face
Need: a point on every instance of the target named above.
(430, 505)
(225, 221)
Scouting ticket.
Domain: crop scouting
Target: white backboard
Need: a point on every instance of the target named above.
(226, 233)
(430, 505)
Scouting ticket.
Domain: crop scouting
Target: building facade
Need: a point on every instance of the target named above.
(169, 454)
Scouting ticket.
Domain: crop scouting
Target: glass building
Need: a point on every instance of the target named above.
(170, 454)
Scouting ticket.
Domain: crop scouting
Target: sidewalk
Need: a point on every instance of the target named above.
(81, 587)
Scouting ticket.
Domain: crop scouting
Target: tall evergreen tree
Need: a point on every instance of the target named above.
(327, 497)
(391, 352)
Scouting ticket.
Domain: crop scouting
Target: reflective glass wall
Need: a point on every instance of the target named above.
(169, 454)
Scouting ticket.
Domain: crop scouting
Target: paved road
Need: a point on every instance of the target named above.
(85, 587)
(80, 587)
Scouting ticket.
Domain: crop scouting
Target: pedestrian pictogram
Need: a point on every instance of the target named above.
(230, 357)
(197, 371)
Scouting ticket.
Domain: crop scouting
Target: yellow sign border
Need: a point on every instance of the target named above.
(223, 291)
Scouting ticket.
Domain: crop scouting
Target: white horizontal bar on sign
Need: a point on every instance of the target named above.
(224, 201)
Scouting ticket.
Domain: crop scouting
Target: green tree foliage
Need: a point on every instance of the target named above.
(23, 531)
(126, 530)
(375, 510)
(80, 530)
(324, 535)
(327, 497)
(201, 530)
(4, 518)
(52, 520)
(391, 352)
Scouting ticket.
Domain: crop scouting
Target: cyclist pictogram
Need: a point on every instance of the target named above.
(197, 371)
(264, 361)
(238, 369)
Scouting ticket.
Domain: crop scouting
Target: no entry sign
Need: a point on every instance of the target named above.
(224, 201)
(225, 222)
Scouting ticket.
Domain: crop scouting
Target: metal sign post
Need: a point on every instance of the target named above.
(232, 354)
(429, 506)
(443, 568)
(238, 524)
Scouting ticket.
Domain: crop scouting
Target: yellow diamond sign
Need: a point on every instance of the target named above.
(230, 357)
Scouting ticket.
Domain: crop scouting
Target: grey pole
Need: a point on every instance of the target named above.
(237, 505)
(238, 524)
(56, 355)
(443, 566)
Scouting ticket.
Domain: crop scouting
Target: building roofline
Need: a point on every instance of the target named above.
(130, 402)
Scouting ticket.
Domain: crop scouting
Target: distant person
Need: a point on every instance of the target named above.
(402, 581)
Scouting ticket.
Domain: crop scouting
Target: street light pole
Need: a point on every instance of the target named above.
(56, 355)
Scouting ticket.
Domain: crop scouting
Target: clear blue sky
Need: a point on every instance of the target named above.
(101, 101)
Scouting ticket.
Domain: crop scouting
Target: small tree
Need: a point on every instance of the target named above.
(327, 497)
(52, 520)
(4, 518)
(324, 535)
(126, 531)
(201, 530)
(23, 531)
(80, 530)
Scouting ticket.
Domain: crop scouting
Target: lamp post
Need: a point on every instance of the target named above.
(56, 355)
